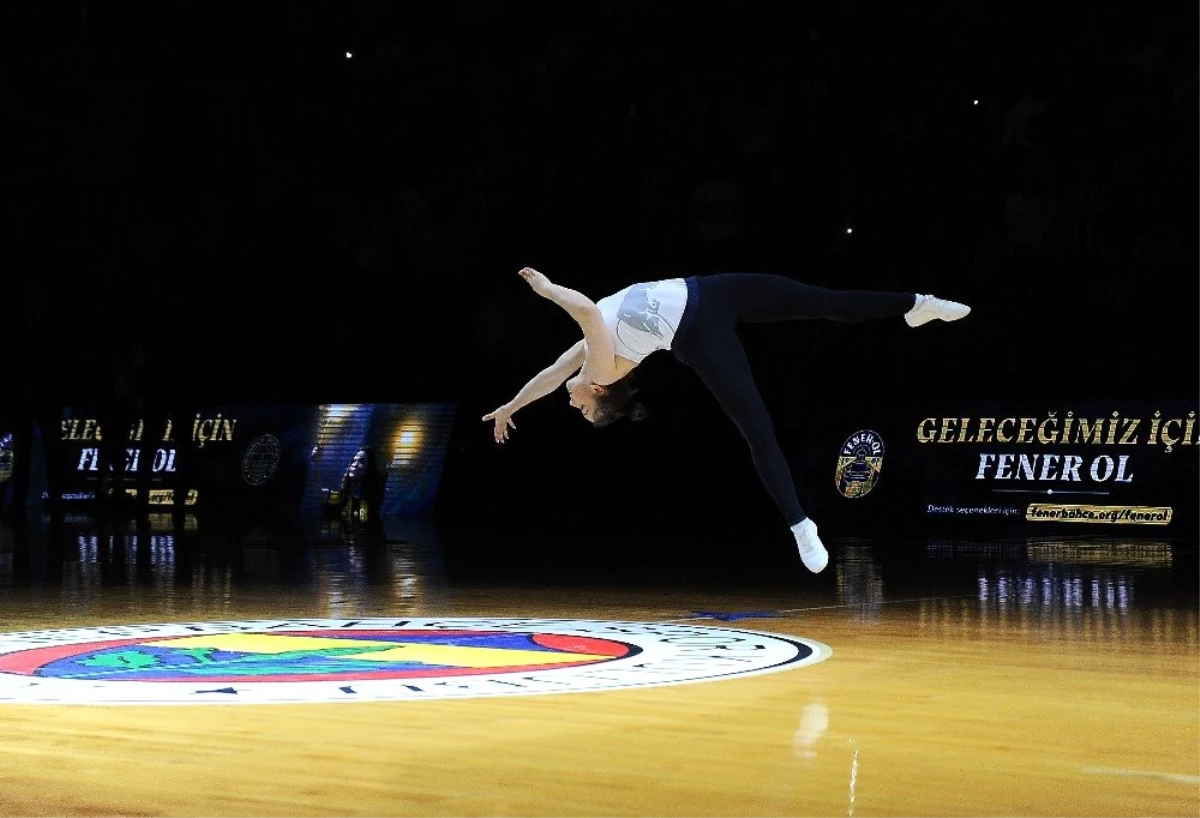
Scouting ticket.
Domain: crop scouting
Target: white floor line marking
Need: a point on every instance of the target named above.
(1176, 778)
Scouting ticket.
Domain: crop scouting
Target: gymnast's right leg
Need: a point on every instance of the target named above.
(766, 297)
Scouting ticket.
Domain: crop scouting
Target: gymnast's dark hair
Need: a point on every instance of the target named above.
(617, 402)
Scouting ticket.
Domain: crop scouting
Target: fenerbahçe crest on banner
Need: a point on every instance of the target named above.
(859, 463)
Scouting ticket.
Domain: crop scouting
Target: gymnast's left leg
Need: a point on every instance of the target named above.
(718, 358)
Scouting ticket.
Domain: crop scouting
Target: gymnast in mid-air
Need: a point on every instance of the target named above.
(696, 318)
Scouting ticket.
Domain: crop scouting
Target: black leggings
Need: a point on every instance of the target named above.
(708, 342)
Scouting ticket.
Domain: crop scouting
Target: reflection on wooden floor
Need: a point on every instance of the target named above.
(967, 678)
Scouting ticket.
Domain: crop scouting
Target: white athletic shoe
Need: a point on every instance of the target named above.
(812, 551)
(929, 308)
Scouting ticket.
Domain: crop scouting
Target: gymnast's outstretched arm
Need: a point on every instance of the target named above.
(600, 357)
(539, 386)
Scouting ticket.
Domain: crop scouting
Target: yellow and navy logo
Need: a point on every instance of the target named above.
(376, 659)
(859, 463)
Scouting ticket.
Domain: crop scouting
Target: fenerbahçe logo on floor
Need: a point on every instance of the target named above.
(323, 660)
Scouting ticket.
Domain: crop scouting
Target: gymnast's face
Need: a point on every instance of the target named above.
(583, 396)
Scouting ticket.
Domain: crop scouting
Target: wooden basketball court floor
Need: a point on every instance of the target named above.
(1011, 678)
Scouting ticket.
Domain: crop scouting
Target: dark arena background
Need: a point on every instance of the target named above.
(243, 241)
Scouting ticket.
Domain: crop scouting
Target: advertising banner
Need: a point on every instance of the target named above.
(1129, 467)
(280, 459)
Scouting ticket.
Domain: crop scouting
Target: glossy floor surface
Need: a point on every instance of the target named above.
(1009, 678)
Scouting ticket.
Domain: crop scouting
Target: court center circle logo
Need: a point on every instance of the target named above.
(346, 660)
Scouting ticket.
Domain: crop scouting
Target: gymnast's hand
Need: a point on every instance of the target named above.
(504, 422)
(540, 284)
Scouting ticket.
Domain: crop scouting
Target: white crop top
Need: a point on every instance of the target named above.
(643, 317)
